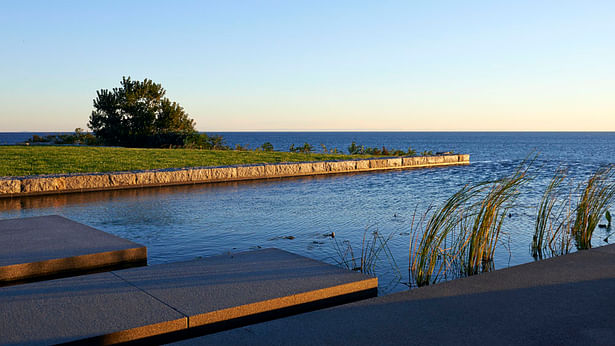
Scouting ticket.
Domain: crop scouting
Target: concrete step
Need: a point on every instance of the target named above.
(566, 300)
(169, 301)
(44, 247)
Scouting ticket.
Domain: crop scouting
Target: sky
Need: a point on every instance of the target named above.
(317, 65)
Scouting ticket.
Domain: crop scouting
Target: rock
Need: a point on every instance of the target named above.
(319, 167)
(145, 178)
(86, 181)
(378, 163)
(122, 179)
(362, 164)
(250, 171)
(394, 162)
(223, 173)
(43, 184)
(10, 186)
(305, 168)
(200, 174)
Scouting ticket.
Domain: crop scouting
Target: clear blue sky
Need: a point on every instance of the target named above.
(312, 65)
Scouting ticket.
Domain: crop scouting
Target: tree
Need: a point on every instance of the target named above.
(138, 115)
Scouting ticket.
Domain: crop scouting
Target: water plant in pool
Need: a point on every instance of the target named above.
(460, 237)
(557, 222)
(597, 196)
(373, 247)
(433, 246)
(552, 236)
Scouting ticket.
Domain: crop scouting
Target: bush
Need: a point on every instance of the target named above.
(267, 146)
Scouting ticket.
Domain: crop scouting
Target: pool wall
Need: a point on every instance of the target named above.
(82, 182)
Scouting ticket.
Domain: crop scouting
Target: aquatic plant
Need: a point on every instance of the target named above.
(372, 250)
(553, 221)
(597, 196)
(434, 247)
(481, 228)
(460, 237)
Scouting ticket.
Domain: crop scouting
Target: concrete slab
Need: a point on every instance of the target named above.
(169, 301)
(225, 288)
(566, 300)
(93, 309)
(40, 247)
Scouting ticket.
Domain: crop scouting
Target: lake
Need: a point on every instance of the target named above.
(297, 214)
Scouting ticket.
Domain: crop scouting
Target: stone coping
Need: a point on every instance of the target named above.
(216, 293)
(81, 182)
(40, 247)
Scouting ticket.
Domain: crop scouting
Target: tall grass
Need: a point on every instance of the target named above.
(552, 235)
(597, 196)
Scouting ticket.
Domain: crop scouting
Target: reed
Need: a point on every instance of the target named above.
(372, 250)
(552, 235)
(434, 247)
(597, 196)
(482, 227)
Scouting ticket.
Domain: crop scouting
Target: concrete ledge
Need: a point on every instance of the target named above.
(566, 300)
(40, 247)
(137, 303)
(66, 183)
(91, 309)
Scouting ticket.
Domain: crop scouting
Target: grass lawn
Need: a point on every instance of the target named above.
(30, 160)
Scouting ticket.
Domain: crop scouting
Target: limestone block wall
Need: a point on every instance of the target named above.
(64, 183)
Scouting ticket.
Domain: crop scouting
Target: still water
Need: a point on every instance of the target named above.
(297, 214)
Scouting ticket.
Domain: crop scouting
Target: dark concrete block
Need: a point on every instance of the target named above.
(228, 287)
(566, 300)
(53, 245)
(96, 309)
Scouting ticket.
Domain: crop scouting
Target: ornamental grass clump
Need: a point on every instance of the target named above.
(596, 198)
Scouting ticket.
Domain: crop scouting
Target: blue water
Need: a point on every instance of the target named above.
(179, 223)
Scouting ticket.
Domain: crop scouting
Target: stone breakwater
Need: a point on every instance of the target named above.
(65, 183)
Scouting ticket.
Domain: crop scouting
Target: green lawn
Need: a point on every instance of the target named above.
(28, 160)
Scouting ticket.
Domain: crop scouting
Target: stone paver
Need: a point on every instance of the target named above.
(561, 301)
(51, 245)
(226, 287)
(100, 308)
(144, 302)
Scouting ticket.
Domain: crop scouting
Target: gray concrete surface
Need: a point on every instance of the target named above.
(100, 307)
(52, 245)
(226, 287)
(569, 300)
(143, 302)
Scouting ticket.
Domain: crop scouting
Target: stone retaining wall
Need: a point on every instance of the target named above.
(63, 183)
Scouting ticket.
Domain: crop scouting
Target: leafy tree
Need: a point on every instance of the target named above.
(138, 114)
